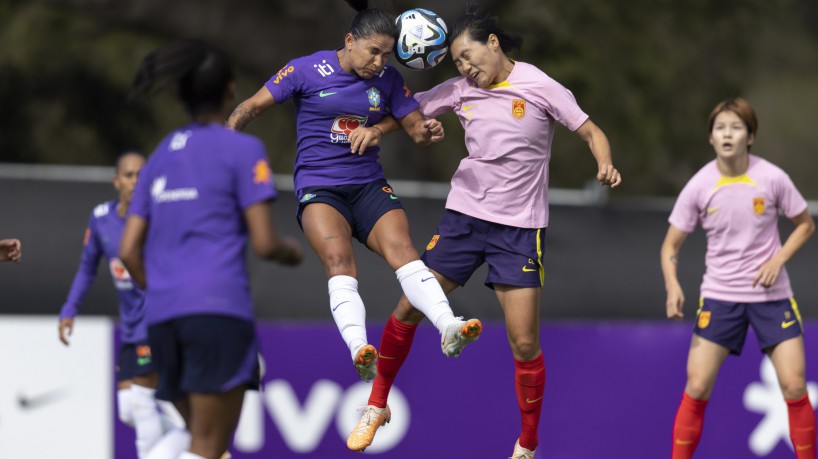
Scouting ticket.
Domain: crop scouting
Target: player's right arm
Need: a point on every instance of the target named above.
(83, 279)
(250, 108)
(669, 260)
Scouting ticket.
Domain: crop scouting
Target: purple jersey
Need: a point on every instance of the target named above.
(193, 192)
(102, 240)
(330, 103)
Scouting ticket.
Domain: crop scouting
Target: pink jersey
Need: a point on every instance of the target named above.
(740, 217)
(509, 128)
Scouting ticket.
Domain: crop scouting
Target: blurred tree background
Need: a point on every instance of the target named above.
(647, 71)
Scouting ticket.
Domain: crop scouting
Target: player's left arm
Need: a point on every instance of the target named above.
(422, 131)
(771, 269)
(601, 149)
(131, 248)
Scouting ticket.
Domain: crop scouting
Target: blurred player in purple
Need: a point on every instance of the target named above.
(339, 94)
(204, 192)
(11, 250)
(136, 378)
(497, 209)
(737, 198)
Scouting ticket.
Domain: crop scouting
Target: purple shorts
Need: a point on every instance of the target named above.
(725, 322)
(362, 205)
(204, 354)
(134, 359)
(462, 243)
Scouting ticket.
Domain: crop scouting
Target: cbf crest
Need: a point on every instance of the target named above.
(374, 99)
(758, 205)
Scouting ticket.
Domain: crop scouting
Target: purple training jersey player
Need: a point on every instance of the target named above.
(330, 103)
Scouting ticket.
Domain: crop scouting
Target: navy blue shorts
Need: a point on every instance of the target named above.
(725, 322)
(362, 205)
(204, 354)
(134, 360)
(462, 243)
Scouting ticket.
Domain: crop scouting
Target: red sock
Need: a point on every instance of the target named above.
(802, 427)
(529, 378)
(395, 345)
(687, 429)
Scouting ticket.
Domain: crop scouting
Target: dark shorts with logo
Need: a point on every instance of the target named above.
(462, 243)
(205, 354)
(134, 360)
(362, 205)
(726, 322)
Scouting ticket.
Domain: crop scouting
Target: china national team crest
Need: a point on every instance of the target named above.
(704, 319)
(518, 108)
(431, 245)
(758, 205)
(374, 99)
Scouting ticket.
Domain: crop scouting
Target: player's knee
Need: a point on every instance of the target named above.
(338, 264)
(698, 388)
(525, 350)
(793, 388)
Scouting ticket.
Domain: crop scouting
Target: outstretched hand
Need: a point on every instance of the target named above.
(433, 131)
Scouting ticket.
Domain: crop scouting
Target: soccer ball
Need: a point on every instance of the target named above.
(421, 43)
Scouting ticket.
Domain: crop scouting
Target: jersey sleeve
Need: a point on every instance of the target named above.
(254, 177)
(685, 214)
(287, 82)
(442, 98)
(86, 273)
(400, 97)
(787, 196)
(559, 102)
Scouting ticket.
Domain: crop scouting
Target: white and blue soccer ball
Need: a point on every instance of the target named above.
(421, 43)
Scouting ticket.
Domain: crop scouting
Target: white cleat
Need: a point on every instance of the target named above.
(366, 360)
(521, 453)
(458, 334)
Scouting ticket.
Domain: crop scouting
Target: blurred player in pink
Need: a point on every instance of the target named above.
(737, 199)
(497, 209)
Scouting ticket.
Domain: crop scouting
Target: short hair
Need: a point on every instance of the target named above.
(741, 108)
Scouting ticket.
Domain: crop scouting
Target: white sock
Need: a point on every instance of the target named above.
(125, 406)
(424, 292)
(147, 419)
(189, 455)
(171, 445)
(348, 311)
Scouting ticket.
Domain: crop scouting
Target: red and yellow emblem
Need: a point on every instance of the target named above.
(758, 205)
(431, 245)
(704, 319)
(518, 108)
(262, 172)
(143, 351)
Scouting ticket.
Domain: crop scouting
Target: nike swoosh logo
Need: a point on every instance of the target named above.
(338, 305)
(787, 324)
(381, 356)
(428, 278)
(325, 94)
(710, 210)
(802, 447)
(534, 401)
(466, 108)
(529, 270)
(684, 442)
(392, 196)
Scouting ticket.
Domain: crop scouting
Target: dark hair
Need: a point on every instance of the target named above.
(741, 108)
(201, 72)
(123, 154)
(371, 21)
(480, 25)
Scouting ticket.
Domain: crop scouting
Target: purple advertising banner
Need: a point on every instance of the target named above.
(612, 390)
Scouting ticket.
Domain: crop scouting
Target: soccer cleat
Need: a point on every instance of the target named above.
(364, 432)
(366, 358)
(521, 453)
(458, 334)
